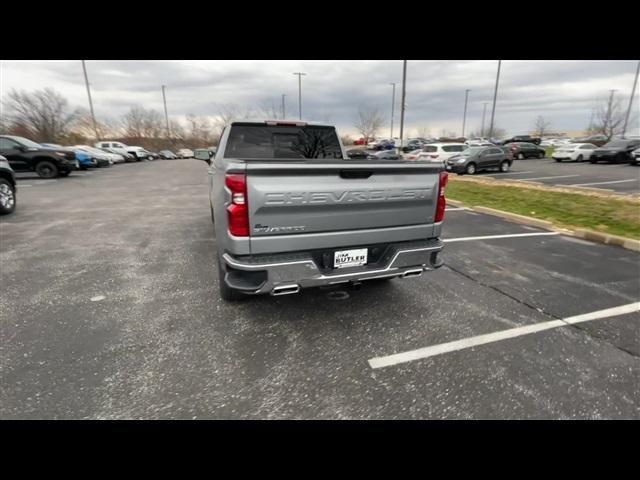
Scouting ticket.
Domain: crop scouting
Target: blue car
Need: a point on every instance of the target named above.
(84, 159)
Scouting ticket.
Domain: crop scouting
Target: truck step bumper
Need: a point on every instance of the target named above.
(287, 274)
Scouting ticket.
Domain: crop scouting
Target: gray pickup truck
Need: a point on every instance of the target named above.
(292, 211)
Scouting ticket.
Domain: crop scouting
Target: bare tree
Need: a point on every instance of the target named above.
(541, 126)
(423, 132)
(228, 113)
(200, 131)
(269, 109)
(369, 122)
(43, 115)
(141, 123)
(346, 140)
(607, 118)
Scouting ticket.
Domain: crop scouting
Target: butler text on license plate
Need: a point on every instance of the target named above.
(350, 258)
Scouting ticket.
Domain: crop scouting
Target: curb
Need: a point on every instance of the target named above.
(591, 235)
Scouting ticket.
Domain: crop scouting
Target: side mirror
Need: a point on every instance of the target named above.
(21, 148)
(202, 155)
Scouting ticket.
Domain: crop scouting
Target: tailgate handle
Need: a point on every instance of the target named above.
(355, 173)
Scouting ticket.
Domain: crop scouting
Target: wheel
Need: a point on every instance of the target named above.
(593, 160)
(504, 166)
(226, 293)
(621, 158)
(7, 197)
(540, 155)
(471, 169)
(150, 157)
(579, 159)
(520, 156)
(558, 160)
(46, 169)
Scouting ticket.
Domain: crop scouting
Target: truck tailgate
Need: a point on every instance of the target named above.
(307, 205)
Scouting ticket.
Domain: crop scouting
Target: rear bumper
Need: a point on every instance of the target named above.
(287, 273)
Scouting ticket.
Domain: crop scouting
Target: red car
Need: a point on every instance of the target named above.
(363, 141)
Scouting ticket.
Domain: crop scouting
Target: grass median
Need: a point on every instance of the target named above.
(616, 216)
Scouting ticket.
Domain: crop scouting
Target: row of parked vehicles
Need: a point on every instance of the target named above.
(474, 155)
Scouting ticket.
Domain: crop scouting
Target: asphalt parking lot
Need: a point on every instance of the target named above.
(618, 178)
(109, 309)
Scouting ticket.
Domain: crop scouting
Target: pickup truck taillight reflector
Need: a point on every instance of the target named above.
(442, 203)
(238, 210)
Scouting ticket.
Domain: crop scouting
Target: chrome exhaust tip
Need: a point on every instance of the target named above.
(416, 272)
(285, 289)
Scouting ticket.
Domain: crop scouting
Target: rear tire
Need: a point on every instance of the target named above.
(226, 293)
(593, 160)
(579, 159)
(46, 169)
(504, 166)
(520, 156)
(540, 155)
(471, 169)
(559, 160)
(7, 197)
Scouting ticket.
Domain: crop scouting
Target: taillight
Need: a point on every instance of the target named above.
(238, 209)
(442, 203)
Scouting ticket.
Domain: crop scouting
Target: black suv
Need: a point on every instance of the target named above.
(25, 155)
(7, 187)
(523, 138)
(616, 151)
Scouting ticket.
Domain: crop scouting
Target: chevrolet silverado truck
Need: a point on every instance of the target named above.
(291, 211)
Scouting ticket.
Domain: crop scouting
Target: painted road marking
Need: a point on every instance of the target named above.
(471, 342)
(602, 183)
(491, 237)
(454, 209)
(545, 178)
(21, 185)
(510, 173)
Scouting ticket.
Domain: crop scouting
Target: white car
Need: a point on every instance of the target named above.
(440, 152)
(119, 147)
(635, 157)
(184, 153)
(577, 152)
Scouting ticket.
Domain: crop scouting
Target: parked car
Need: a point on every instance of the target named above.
(358, 154)
(412, 144)
(103, 159)
(440, 152)
(474, 159)
(597, 140)
(523, 150)
(279, 230)
(523, 139)
(167, 155)
(127, 157)
(26, 155)
(185, 153)
(7, 187)
(384, 155)
(616, 151)
(363, 141)
(84, 159)
(573, 151)
(138, 152)
(635, 157)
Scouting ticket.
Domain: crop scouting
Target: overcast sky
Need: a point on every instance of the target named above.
(564, 92)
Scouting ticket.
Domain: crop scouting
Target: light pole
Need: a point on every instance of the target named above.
(300, 74)
(609, 107)
(166, 115)
(402, 106)
(93, 117)
(283, 110)
(633, 91)
(393, 106)
(464, 115)
(484, 111)
(495, 96)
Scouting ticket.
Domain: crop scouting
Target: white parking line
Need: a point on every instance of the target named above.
(454, 209)
(491, 237)
(471, 342)
(509, 173)
(602, 183)
(20, 185)
(545, 178)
